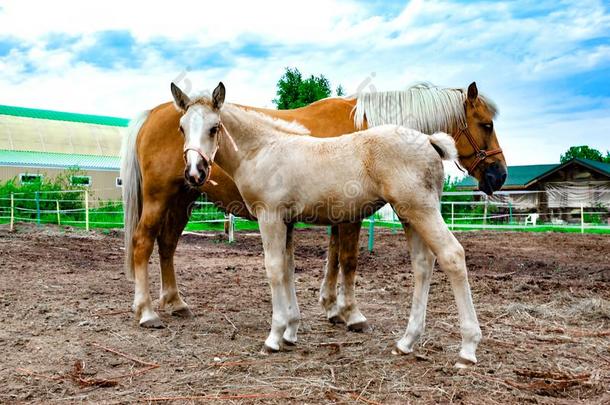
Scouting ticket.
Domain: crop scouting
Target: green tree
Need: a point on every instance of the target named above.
(583, 152)
(293, 91)
(340, 91)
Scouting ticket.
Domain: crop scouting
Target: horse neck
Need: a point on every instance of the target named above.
(247, 134)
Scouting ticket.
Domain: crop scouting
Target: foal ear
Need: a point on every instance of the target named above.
(473, 92)
(181, 100)
(218, 96)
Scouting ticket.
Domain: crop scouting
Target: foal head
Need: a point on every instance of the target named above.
(200, 125)
(479, 149)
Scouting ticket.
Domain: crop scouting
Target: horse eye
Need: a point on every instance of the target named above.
(488, 127)
(213, 131)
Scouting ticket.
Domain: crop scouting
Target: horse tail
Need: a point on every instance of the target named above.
(444, 145)
(131, 177)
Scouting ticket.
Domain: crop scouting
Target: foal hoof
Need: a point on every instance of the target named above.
(336, 319)
(154, 323)
(288, 344)
(464, 363)
(358, 326)
(183, 313)
(397, 351)
(266, 350)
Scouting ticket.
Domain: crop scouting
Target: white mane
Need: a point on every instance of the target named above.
(423, 107)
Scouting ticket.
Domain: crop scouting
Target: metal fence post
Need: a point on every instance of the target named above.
(231, 228)
(582, 218)
(37, 194)
(12, 227)
(452, 216)
(510, 213)
(86, 210)
(485, 212)
(57, 206)
(371, 232)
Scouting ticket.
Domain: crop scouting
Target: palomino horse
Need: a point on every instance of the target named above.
(157, 197)
(285, 177)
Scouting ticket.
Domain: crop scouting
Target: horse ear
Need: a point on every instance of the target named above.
(181, 100)
(473, 92)
(218, 96)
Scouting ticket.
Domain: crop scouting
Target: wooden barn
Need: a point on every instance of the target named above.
(556, 190)
(35, 143)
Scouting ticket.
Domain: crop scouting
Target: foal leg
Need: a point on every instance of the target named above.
(273, 234)
(175, 221)
(153, 210)
(328, 289)
(294, 315)
(349, 235)
(429, 224)
(422, 262)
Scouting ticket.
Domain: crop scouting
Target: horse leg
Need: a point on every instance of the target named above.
(294, 315)
(422, 262)
(175, 221)
(273, 234)
(429, 224)
(153, 211)
(349, 235)
(328, 289)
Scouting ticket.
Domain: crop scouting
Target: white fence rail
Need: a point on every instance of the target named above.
(461, 210)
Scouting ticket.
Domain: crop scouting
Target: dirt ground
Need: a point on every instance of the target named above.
(67, 333)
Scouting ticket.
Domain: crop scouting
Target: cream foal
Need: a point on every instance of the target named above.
(285, 177)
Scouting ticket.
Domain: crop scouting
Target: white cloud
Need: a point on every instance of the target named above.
(520, 61)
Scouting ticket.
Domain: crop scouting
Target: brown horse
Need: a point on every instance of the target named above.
(158, 191)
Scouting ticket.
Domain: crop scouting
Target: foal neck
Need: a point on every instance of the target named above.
(244, 137)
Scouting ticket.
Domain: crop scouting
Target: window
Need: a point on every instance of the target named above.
(26, 178)
(119, 182)
(80, 181)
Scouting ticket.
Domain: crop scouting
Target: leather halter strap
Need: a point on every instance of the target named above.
(209, 160)
(479, 153)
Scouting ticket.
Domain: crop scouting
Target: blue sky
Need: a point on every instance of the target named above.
(545, 63)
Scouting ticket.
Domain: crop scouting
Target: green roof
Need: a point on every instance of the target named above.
(517, 175)
(602, 167)
(523, 175)
(63, 116)
(58, 160)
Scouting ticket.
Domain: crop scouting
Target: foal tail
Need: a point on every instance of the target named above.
(131, 177)
(444, 145)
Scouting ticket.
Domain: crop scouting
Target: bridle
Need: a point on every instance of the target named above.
(209, 160)
(479, 153)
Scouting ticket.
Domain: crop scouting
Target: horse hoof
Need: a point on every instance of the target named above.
(358, 326)
(183, 313)
(397, 351)
(154, 323)
(288, 343)
(336, 319)
(266, 350)
(464, 363)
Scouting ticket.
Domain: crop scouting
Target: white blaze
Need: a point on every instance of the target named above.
(194, 131)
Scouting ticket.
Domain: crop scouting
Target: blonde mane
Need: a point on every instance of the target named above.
(423, 107)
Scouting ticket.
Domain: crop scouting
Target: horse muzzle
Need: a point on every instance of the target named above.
(493, 178)
(197, 177)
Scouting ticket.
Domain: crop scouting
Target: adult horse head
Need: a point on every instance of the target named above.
(200, 125)
(484, 159)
